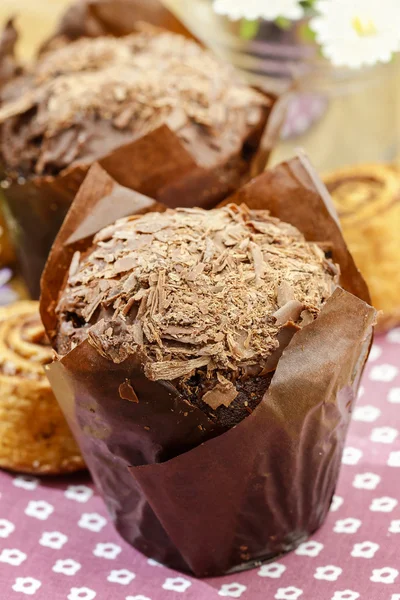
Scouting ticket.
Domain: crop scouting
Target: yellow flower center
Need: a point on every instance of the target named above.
(364, 26)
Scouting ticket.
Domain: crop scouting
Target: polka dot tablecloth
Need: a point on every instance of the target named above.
(57, 543)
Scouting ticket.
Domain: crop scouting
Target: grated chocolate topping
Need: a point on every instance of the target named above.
(195, 292)
(133, 84)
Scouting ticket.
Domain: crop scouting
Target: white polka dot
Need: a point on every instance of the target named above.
(366, 481)
(108, 550)
(349, 525)
(26, 482)
(366, 414)
(346, 595)
(376, 352)
(337, 502)
(232, 590)
(351, 456)
(26, 585)
(66, 567)
(328, 573)
(385, 575)
(365, 550)
(273, 570)
(310, 548)
(92, 521)
(384, 435)
(176, 584)
(82, 593)
(39, 509)
(79, 493)
(384, 504)
(394, 395)
(394, 336)
(121, 576)
(395, 526)
(288, 593)
(394, 459)
(385, 373)
(53, 539)
(12, 556)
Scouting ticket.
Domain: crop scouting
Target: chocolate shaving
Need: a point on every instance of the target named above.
(220, 395)
(173, 369)
(127, 392)
(291, 311)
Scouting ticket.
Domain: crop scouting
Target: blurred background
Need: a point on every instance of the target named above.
(340, 115)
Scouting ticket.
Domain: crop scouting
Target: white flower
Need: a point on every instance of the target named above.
(394, 396)
(385, 373)
(394, 336)
(233, 590)
(384, 504)
(108, 550)
(365, 550)
(310, 548)
(80, 493)
(351, 456)
(258, 9)
(6, 528)
(67, 566)
(274, 570)
(26, 482)
(384, 435)
(39, 509)
(328, 573)
(337, 502)
(385, 575)
(376, 352)
(153, 563)
(366, 481)
(92, 521)
(394, 459)
(26, 585)
(289, 593)
(354, 33)
(394, 526)
(123, 576)
(348, 525)
(345, 595)
(12, 557)
(366, 414)
(82, 593)
(176, 584)
(140, 597)
(53, 539)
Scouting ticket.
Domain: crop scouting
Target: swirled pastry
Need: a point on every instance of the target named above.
(368, 201)
(34, 437)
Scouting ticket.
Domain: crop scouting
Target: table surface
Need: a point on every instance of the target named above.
(57, 543)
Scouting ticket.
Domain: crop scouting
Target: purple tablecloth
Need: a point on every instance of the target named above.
(56, 542)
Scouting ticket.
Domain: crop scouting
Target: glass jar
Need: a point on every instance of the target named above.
(339, 116)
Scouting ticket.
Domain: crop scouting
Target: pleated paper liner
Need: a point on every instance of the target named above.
(177, 489)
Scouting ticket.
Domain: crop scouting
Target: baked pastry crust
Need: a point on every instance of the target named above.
(34, 436)
(368, 201)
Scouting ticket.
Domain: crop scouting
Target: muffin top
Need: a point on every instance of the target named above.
(193, 290)
(82, 100)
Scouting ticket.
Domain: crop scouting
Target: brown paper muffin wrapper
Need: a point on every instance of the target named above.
(367, 198)
(156, 164)
(197, 501)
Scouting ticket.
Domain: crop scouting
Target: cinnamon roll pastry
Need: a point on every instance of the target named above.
(6, 249)
(34, 436)
(368, 201)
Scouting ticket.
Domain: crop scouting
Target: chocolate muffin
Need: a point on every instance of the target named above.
(159, 112)
(83, 100)
(208, 299)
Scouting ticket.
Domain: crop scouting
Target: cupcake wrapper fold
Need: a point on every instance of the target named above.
(156, 164)
(180, 491)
